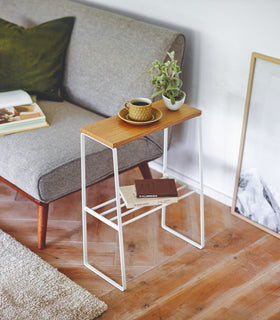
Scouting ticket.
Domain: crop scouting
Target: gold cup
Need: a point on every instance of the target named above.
(139, 109)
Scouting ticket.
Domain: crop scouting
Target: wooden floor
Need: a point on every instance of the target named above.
(236, 275)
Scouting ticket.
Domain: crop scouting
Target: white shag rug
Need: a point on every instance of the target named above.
(32, 289)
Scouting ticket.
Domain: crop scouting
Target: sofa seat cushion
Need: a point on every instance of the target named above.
(45, 162)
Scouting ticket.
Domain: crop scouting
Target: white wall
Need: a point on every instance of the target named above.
(220, 37)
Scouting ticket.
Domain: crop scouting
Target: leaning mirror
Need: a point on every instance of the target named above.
(257, 186)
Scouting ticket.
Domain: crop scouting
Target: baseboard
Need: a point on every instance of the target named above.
(194, 184)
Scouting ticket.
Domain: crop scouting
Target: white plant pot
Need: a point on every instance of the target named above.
(177, 104)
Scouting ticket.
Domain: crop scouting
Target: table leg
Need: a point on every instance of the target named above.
(83, 190)
(86, 210)
(202, 228)
(163, 212)
(120, 226)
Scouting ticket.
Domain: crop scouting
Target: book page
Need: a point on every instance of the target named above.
(10, 116)
(14, 98)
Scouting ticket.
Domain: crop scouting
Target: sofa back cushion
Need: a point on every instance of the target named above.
(108, 53)
(32, 59)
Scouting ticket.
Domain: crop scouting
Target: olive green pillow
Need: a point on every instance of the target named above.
(33, 58)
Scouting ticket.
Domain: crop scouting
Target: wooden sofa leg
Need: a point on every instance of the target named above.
(42, 224)
(145, 170)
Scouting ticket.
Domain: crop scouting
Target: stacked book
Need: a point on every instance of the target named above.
(149, 192)
(19, 112)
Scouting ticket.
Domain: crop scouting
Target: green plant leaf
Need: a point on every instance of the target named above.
(156, 93)
(165, 77)
(172, 99)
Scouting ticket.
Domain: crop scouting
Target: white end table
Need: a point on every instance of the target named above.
(114, 132)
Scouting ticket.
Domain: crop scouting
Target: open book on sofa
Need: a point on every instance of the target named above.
(18, 112)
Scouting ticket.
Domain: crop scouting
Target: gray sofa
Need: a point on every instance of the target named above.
(105, 63)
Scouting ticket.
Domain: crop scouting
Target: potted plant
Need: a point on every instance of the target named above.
(167, 82)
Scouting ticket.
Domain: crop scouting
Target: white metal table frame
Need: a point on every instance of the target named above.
(111, 222)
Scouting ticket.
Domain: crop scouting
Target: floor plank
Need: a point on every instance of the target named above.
(236, 275)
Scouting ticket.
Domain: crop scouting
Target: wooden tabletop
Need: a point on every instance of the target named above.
(114, 132)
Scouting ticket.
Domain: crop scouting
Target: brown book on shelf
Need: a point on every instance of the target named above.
(131, 201)
(153, 188)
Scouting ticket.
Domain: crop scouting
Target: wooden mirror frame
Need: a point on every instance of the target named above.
(261, 105)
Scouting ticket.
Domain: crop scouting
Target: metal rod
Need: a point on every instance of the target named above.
(163, 216)
(103, 204)
(103, 219)
(118, 196)
(186, 195)
(83, 187)
(165, 147)
(143, 215)
(202, 229)
(104, 276)
(164, 169)
(126, 213)
(179, 235)
(111, 210)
